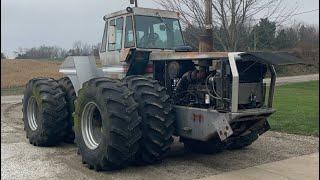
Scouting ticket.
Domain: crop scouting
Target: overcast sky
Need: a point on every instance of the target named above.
(29, 23)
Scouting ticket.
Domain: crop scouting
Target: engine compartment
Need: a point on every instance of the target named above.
(208, 84)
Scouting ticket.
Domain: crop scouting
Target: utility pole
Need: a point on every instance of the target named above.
(206, 39)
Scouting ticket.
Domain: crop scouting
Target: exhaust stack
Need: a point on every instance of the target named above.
(206, 40)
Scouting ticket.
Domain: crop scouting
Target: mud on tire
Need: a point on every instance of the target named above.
(44, 112)
(115, 124)
(70, 96)
(157, 118)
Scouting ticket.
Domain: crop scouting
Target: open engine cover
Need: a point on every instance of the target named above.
(274, 58)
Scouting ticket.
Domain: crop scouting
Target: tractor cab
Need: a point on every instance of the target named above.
(139, 28)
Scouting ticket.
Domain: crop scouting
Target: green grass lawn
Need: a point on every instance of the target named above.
(297, 108)
(12, 91)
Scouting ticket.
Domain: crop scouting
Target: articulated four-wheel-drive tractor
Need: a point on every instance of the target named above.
(150, 88)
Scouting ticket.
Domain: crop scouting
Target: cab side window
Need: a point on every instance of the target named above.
(129, 35)
(104, 39)
(118, 31)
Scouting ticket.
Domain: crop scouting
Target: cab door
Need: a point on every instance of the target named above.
(113, 42)
(118, 39)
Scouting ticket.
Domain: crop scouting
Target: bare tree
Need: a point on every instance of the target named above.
(231, 17)
(3, 56)
(42, 52)
(81, 49)
(96, 49)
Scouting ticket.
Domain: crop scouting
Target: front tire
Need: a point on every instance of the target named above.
(157, 118)
(44, 112)
(107, 124)
(70, 96)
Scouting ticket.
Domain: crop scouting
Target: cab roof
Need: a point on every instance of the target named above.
(144, 12)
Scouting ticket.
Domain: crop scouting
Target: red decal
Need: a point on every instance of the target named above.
(197, 117)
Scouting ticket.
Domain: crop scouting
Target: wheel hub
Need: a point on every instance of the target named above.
(32, 112)
(91, 125)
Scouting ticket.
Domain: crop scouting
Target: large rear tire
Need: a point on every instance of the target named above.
(70, 96)
(44, 112)
(107, 124)
(157, 118)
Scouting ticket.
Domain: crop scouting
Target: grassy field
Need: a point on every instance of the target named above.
(297, 109)
(12, 91)
(16, 73)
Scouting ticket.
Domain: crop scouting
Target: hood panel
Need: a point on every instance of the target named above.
(275, 58)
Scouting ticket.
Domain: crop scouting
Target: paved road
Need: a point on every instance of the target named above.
(294, 79)
(297, 168)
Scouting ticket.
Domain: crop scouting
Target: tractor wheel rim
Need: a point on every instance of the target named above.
(32, 111)
(91, 125)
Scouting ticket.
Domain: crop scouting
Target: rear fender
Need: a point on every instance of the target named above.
(80, 69)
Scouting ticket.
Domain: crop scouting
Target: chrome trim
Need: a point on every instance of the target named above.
(235, 81)
(68, 71)
(114, 69)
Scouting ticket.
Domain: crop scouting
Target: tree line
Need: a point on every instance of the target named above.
(236, 27)
(3, 56)
(263, 36)
(54, 52)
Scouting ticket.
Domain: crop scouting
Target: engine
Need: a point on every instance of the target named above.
(208, 84)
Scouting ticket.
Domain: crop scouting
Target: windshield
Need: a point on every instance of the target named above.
(158, 33)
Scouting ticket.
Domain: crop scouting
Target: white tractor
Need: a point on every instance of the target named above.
(150, 88)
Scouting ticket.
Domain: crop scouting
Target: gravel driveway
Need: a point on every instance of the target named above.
(20, 160)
